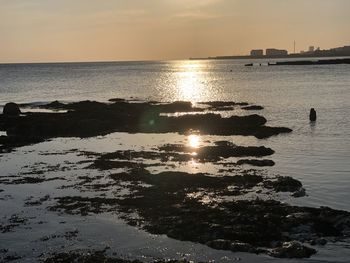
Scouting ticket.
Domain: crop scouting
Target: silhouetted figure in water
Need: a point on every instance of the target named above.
(312, 115)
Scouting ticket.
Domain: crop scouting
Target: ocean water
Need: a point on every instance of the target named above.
(317, 154)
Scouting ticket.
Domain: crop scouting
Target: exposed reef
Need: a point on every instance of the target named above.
(181, 153)
(227, 207)
(90, 118)
(215, 153)
(174, 203)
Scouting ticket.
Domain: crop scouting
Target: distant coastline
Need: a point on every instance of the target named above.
(306, 62)
(268, 57)
(334, 52)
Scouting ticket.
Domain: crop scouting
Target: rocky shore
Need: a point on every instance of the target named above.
(234, 209)
(89, 118)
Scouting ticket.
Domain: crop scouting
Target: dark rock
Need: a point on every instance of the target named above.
(11, 109)
(292, 249)
(220, 244)
(53, 105)
(116, 100)
(165, 204)
(299, 193)
(91, 118)
(224, 103)
(312, 115)
(284, 184)
(242, 247)
(266, 131)
(253, 107)
(256, 162)
(215, 153)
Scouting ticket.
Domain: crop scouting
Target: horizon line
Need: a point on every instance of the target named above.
(87, 61)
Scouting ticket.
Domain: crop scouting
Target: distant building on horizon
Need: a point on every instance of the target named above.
(257, 53)
(273, 52)
(311, 51)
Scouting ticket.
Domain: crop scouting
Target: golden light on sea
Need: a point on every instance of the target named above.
(194, 140)
(190, 82)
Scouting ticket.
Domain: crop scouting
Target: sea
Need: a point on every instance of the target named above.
(317, 154)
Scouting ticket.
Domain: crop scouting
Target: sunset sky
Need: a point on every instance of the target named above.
(104, 30)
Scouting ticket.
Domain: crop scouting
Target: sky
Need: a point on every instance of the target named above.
(110, 30)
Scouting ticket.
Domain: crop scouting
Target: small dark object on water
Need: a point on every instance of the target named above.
(312, 114)
(11, 109)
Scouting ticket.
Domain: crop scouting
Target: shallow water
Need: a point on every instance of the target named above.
(44, 231)
(317, 154)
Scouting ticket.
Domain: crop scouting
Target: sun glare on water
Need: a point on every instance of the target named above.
(194, 140)
(190, 82)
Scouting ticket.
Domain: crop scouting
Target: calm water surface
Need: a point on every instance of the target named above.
(316, 154)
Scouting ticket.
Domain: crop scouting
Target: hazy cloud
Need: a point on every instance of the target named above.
(42, 30)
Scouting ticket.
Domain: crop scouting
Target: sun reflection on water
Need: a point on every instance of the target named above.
(194, 140)
(191, 82)
(193, 166)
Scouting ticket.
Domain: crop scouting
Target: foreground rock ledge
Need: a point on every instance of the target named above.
(164, 204)
(90, 118)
